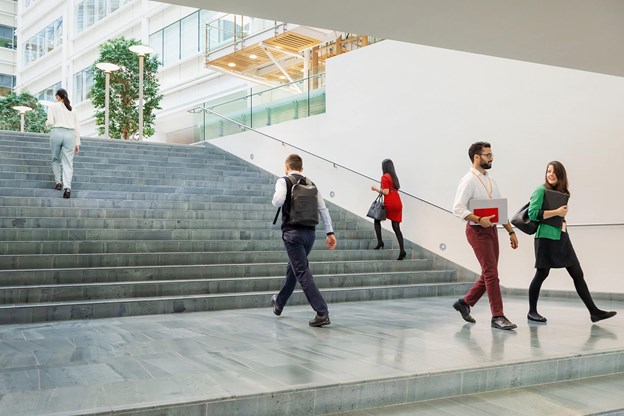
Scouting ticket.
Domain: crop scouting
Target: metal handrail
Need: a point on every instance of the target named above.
(334, 164)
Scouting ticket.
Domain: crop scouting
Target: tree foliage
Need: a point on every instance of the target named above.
(34, 120)
(124, 90)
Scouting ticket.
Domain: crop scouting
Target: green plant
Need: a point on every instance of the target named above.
(34, 120)
(124, 90)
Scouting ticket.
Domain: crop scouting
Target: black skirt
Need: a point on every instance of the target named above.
(554, 254)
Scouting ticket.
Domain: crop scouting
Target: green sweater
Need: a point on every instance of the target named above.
(536, 213)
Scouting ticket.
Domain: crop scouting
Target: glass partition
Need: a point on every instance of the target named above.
(265, 106)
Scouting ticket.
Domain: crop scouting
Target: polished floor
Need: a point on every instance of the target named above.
(99, 366)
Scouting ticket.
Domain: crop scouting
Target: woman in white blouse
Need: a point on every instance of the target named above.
(64, 141)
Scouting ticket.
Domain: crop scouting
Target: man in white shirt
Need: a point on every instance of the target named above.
(482, 235)
(298, 240)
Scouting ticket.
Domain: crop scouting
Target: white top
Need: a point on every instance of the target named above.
(280, 196)
(60, 116)
(474, 185)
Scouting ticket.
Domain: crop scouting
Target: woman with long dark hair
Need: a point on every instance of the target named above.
(64, 141)
(553, 248)
(392, 201)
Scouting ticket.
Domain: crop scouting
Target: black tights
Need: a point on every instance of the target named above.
(579, 283)
(396, 226)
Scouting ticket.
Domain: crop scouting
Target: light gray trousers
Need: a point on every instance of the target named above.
(62, 144)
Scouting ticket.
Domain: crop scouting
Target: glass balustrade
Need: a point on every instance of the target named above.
(265, 106)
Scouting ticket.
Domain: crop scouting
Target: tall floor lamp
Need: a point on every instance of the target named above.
(22, 109)
(107, 68)
(141, 50)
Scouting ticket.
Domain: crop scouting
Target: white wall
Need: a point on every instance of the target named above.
(424, 106)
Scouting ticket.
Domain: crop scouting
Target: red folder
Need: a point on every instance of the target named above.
(486, 212)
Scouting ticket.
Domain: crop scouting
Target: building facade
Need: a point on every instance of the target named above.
(58, 43)
(8, 55)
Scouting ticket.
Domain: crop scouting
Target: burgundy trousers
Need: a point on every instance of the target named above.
(484, 242)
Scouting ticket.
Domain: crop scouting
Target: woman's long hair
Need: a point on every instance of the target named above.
(62, 94)
(562, 177)
(388, 167)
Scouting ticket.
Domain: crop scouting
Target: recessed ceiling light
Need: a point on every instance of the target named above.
(282, 77)
(231, 64)
(252, 56)
(278, 47)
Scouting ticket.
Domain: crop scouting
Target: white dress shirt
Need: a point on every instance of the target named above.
(474, 185)
(60, 116)
(280, 196)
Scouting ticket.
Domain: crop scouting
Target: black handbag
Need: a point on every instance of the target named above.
(377, 210)
(522, 221)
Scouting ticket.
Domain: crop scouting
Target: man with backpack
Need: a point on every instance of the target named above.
(301, 204)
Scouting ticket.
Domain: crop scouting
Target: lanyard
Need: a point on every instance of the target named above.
(484, 187)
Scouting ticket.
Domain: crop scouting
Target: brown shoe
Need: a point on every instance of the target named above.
(500, 322)
(462, 307)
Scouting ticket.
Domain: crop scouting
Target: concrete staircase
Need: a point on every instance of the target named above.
(154, 228)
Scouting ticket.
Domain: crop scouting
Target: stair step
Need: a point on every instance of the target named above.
(53, 234)
(153, 246)
(35, 261)
(15, 277)
(106, 308)
(181, 287)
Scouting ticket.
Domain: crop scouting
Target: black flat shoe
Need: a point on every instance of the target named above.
(402, 255)
(535, 317)
(379, 246)
(58, 186)
(67, 193)
(603, 315)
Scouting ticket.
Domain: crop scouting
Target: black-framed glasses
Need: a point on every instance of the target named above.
(488, 155)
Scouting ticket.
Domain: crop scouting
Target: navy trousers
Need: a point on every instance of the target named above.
(298, 245)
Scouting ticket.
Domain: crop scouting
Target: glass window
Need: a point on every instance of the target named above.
(89, 12)
(7, 37)
(78, 87)
(171, 44)
(7, 82)
(49, 38)
(88, 82)
(99, 10)
(190, 35)
(58, 32)
(80, 18)
(40, 48)
(83, 81)
(156, 43)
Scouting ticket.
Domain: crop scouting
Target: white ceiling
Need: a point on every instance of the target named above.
(580, 34)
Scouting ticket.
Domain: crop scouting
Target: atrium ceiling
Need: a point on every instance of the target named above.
(578, 34)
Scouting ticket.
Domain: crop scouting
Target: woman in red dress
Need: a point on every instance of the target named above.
(394, 206)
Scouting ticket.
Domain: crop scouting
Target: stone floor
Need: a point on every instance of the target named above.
(114, 365)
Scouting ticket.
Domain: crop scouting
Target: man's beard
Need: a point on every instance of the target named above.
(486, 165)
